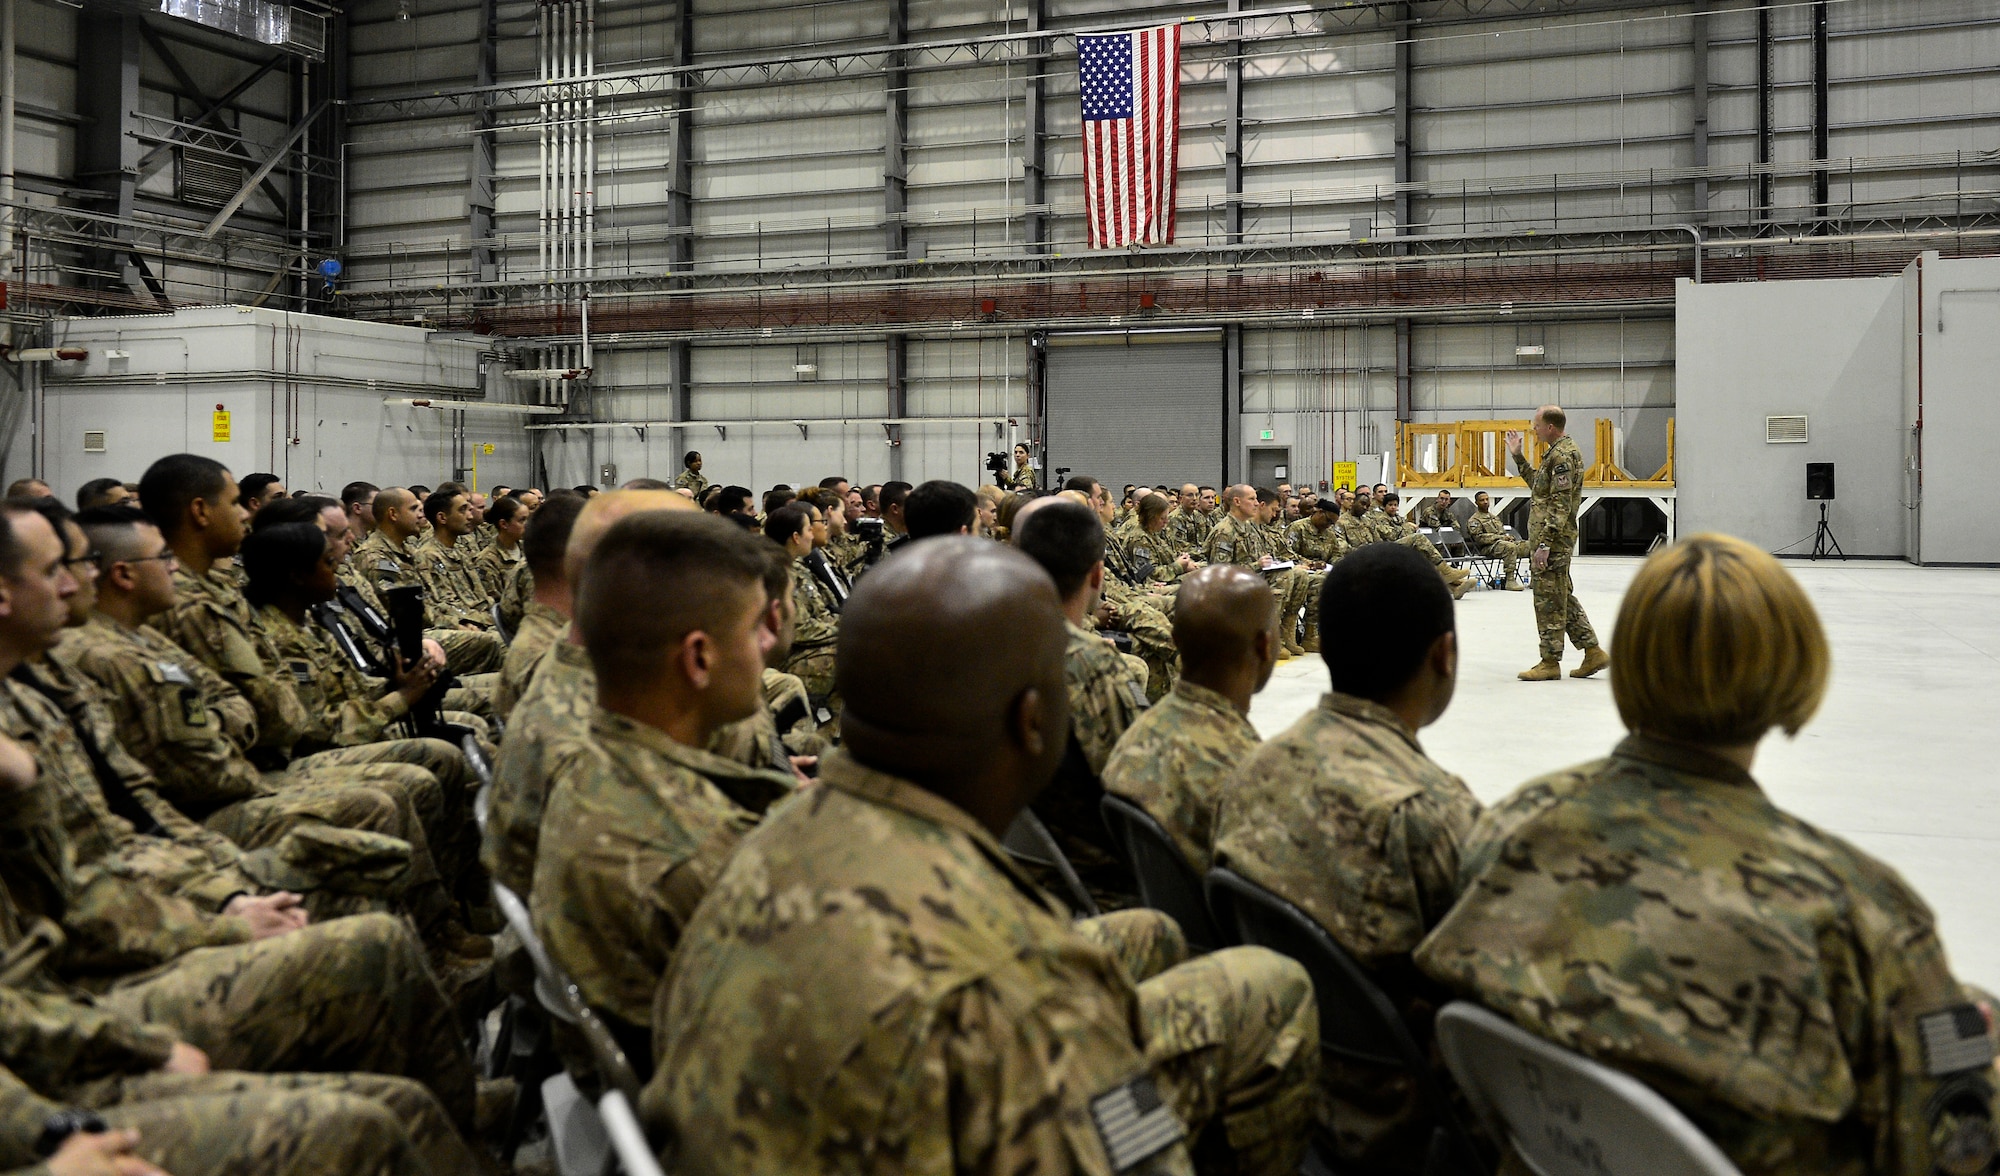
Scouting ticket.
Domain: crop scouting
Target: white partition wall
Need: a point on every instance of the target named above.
(1957, 418)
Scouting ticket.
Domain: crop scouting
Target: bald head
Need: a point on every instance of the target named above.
(1240, 500)
(1225, 621)
(601, 511)
(931, 697)
(1550, 422)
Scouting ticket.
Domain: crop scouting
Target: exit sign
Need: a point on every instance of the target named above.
(1266, 435)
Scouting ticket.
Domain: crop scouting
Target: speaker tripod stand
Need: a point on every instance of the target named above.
(1824, 544)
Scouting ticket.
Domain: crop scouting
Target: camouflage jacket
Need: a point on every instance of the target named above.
(555, 706)
(391, 565)
(346, 707)
(1175, 760)
(1161, 546)
(57, 1045)
(637, 827)
(174, 854)
(690, 480)
(1347, 818)
(1019, 479)
(874, 986)
(1657, 912)
(818, 623)
(848, 552)
(1105, 695)
(1429, 514)
(115, 920)
(1238, 541)
(454, 572)
(173, 714)
(1386, 530)
(212, 621)
(1557, 486)
(1188, 530)
(1355, 531)
(541, 627)
(495, 566)
(1309, 542)
(1483, 530)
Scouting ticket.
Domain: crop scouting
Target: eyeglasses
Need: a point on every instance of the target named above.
(87, 559)
(167, 557)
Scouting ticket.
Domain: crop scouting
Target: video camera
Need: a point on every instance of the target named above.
(998, 463)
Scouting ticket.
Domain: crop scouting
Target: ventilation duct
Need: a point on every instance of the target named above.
(208, 177)
(1785, 430)
(298, 30)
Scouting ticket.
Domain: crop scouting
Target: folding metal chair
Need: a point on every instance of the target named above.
(1030, 841)
(500, 623)
(1564, 1114)
(1166, 881)
(1357, 1023)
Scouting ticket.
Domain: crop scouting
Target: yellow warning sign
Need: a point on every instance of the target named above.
(487, 449)
(1345, 473)
(218, 427)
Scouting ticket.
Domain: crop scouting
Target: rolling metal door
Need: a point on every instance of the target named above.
(1144, 409)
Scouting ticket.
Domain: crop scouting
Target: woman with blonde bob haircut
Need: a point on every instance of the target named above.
(1655, 911)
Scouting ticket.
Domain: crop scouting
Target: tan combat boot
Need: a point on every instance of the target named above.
(1543, 671)
(1460, 587)
(1513, 584)
(1594, 659)
(1311, 643)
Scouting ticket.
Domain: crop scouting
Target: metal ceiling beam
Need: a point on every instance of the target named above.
(1819, 114)
(278, 155)
(212, 115)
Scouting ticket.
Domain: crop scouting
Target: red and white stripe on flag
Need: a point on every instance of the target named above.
(1130, 84)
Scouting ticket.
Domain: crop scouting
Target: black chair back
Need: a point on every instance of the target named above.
(1357, 1021)
(1166, 881)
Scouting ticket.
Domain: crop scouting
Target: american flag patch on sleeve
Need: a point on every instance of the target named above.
(1954, 1040)
(1135, 1123)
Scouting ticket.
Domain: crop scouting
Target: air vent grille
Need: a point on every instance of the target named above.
(93, 440)
(209, 177)
(1785, 430)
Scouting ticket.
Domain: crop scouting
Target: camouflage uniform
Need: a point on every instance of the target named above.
(1143, 615)
(1244, 542)
(848, 552)
(234, 1124)
(1657, 912)
(1557, 486)
(349, 994)
(1107, 694)
(818, 628)
(1165, 552)
(1020, 479)
(1355, 530)
(1189, 530)
(1345, 817)
(1174, 761)
(690, 480)
(391, 565)
(493, 566)
(1488, 537)
(465, 652)
(637, 827)
(757, 742)
(872, 985)
(1309, 542)
(540, 628)
(516, 593)
(455, 570)
(211, 620)
(1429, 513)
(556, 706)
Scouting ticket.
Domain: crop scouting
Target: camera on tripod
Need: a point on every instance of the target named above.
(998, 463)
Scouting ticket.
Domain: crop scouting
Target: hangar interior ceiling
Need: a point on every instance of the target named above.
(830, 232)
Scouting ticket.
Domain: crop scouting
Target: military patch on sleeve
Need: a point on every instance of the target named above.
(1134, 1123)
(387, 565)
(1954, 1040)
(1137, 694)
(1224, 552)
(173, 672)
(193, 711)
(302, 672)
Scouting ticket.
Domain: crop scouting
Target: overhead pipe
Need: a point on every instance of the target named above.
(41, 354)
(471, 406)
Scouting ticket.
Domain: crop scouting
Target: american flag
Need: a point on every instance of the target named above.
(1131, 87)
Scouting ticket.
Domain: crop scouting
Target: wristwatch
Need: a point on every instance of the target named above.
(57, 1128)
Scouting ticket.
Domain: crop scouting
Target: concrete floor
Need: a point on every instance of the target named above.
(1902, 760)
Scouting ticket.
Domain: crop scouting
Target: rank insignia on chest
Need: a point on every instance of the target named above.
(172, 672)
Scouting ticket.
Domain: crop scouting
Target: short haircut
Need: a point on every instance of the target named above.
(939, 508)
(1067, 540)
(647, 484)
(11, 550)
(733, 498)
(24, 487)
(711, 499)
(893, 494)
(113, 529)
(1405, 608)
(283, 512)
(825, 498)
(273, 555)
(50, 508)
(171, 484)
(355, 493)
(96, 492)
(872, 493)
(547, 537)
(1151, 507)
(1554, 416)
(653, 578)
(786, 521)
(504, 510)
(1388, 497)
(249, 486)
(777, 498)
(387, 498)
(1210, 489)
(1266, 495)
(777, 571)
(422, 492)
(831, 483)
(1717, 644)
(1082, 482)
(689, 458)
(439, 502)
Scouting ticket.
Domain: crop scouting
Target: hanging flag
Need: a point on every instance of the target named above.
(1131, 88)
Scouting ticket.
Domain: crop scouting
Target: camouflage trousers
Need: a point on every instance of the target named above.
(814, 667)
(1557, 612)
(1232, 1037)
(435, 778)
(351, 994)
(473, 695)
(785, 694)
(467, 651)
(346, 799)
(1296, 588)
(1510, 552)
(236, 1124)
